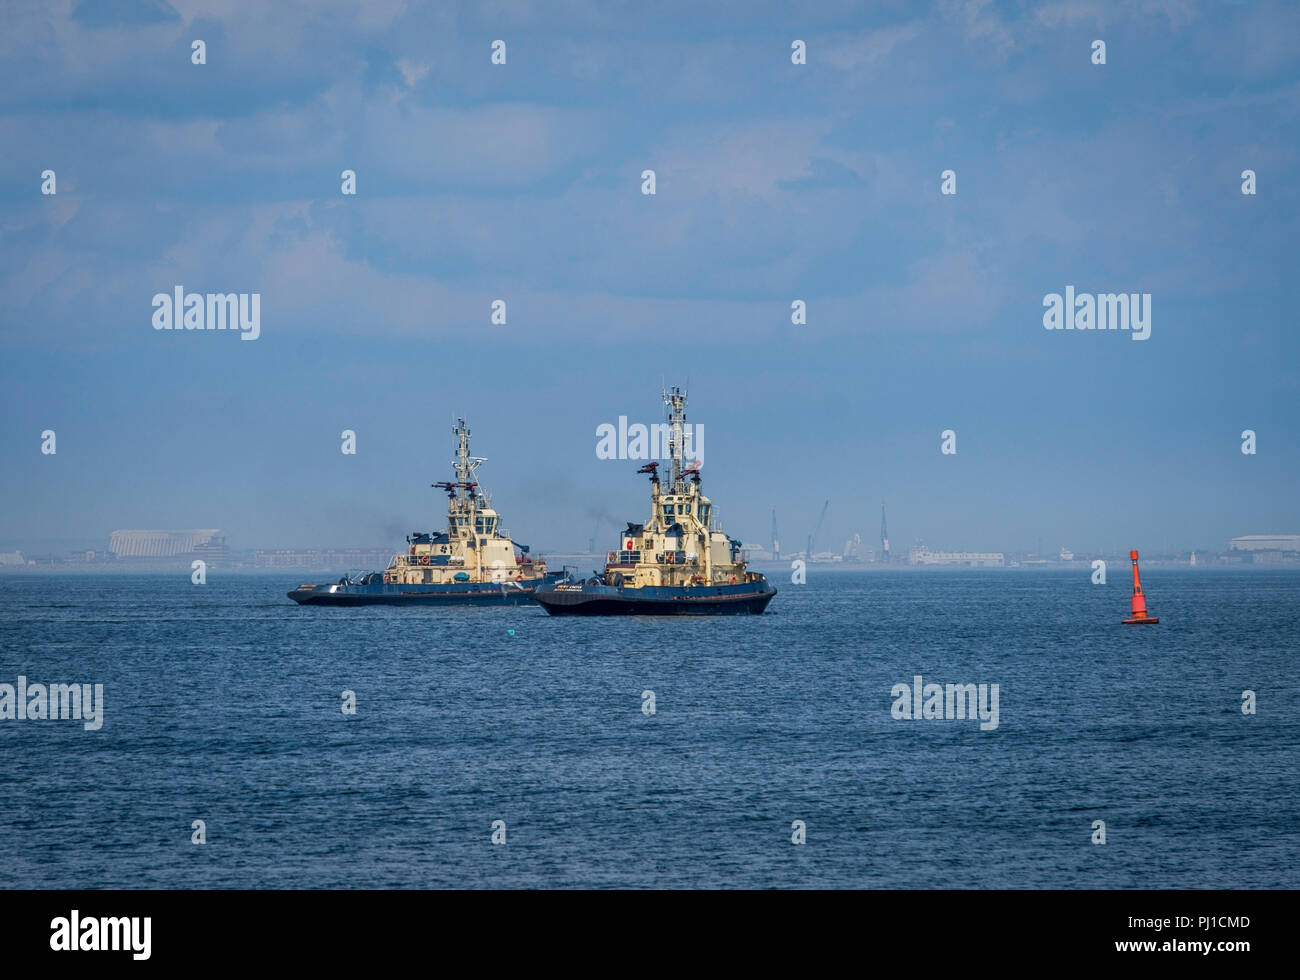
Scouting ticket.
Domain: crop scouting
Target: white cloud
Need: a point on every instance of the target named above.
(868, 49)
(411, 71)
(1069, 12)
(982, 25)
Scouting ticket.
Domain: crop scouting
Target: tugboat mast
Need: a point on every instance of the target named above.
(675, 399)
(465, 464)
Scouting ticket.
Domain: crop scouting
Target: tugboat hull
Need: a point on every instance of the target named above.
(381, 594)
(603, 600)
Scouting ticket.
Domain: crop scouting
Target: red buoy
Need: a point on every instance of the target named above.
(1140, 616)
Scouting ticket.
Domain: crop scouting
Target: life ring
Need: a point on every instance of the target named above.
(733, 580)
(424, 559)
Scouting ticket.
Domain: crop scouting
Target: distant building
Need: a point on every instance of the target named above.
(166, 544)
(971, 559)
(1265, 542)
(1274, 557)
(339, 559)
(12, 558)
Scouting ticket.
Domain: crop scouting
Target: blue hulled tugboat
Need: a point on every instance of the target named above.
(473, 562)
(677, 563)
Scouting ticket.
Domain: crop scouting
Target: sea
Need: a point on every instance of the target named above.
(505, 748)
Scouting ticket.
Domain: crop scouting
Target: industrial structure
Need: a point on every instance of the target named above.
(1265, 542)
(808, 552)
(320, 558)
(921, 555)
(884, 535)
(167, 544)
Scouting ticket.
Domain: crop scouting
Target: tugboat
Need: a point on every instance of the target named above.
(473, 562)
(676, 564)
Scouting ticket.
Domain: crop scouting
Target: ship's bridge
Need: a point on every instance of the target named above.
(485, 524)
(481, 523)
(687, 509)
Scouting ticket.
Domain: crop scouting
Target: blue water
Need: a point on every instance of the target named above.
(222, 703)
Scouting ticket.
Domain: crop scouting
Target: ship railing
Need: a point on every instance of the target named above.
(624, 558)
(425, 561)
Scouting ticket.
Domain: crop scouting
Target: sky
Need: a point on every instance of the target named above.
(774, 182)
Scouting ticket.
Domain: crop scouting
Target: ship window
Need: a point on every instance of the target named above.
(668, 508)
(687, 510)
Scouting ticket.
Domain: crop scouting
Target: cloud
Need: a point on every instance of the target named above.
(124, 13)
(411, 71)
(868, 49)
(1069, 13)
(982, 25)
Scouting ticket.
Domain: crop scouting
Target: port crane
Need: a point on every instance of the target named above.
(809, 553)
(776, 540)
